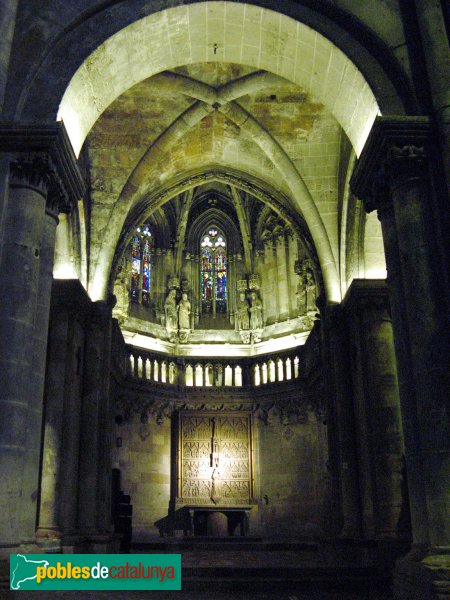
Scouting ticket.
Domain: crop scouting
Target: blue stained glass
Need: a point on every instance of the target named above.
(213, 271)
(141, 265)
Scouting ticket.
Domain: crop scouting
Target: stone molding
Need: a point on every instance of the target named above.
(42, 157)
(395, 151)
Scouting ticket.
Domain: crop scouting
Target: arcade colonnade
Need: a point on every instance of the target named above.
(56, 341)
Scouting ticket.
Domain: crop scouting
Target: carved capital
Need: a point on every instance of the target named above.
(43, 159)
(396, 150)
(31, 172)
(404, 163)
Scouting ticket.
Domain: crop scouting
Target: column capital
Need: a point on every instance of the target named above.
(397, 148)
(366, 294)
(43, 158)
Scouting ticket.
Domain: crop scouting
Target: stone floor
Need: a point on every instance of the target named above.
(211, 595)
(250, 572)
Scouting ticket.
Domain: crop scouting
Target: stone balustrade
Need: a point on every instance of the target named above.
(144, 365)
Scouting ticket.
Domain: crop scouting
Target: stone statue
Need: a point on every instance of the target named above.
(170, 311)
(242, 314)
(256, 318)
(184, 312)
(122, 287)
(311, 292)
(301, 297)
(306, 294)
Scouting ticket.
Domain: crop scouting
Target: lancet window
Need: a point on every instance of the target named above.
(213, 275)
(141, 265)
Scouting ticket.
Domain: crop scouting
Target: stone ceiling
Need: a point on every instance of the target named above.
(146, 113)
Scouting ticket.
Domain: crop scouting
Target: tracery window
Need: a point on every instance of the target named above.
(213, 275)
(141, 265)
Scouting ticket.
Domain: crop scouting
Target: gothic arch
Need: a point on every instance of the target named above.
(223, 221)
(68, 48)
(274, 199)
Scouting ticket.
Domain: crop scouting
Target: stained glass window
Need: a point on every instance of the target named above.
(213, 272)
(141, 265)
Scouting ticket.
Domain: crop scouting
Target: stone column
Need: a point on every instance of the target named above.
(55, 198)
(431, 20)
(95, 433)
(59, 481)
(385, 509)
(8, 11)
(340, 387)
(19, 273)
(407, 391)
(398, 153)
(44, 178)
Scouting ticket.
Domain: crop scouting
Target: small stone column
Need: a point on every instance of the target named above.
(287, 266)
(399, 154)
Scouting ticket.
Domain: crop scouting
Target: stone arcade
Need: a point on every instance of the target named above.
(224, 280)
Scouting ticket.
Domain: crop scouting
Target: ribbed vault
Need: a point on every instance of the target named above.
(224, 32)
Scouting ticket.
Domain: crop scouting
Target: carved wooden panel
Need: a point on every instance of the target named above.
(215, 459)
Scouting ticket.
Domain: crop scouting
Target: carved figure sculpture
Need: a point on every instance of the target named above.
(256, 318)
(242, 314)
(311, 292)
(301, 297)
(170, 311)
(306, 293)
(184, 312)
(122, 291)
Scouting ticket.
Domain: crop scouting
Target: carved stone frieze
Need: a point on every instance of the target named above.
(284, 410)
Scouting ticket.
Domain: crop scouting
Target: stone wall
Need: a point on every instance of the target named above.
(291, 482)
(142, 453)
(293, 478)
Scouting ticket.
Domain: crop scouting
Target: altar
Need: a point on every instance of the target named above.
(217, 521)
(215, 483)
